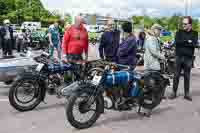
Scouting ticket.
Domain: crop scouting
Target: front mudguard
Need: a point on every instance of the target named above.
(32, 76)
(77, 88)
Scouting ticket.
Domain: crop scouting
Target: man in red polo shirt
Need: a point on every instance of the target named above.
(75, 41)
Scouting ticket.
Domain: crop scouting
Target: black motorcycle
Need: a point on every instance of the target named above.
(30, 88)
(140, 57)
(169, 65)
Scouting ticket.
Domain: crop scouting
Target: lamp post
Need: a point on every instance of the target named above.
(188, 4)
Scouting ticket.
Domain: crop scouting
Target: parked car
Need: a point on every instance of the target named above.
(10, 68)
(31, 25)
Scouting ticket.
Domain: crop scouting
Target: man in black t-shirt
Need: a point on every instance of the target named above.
(186, 40)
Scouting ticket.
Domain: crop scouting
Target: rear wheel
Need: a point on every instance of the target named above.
(151, 100)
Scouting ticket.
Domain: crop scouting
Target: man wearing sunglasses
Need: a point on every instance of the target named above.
(186, 40)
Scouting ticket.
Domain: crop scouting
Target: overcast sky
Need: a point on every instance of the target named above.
(123, 7)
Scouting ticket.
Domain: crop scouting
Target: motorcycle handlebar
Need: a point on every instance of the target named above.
(115, 64)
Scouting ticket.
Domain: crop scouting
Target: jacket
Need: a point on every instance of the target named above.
(3, 33)
(152, 55)
(75, 41)
(126, 53)
(183, 47)
(109, 44)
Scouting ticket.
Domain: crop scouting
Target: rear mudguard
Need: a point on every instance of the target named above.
(76, 88)
(37, 78)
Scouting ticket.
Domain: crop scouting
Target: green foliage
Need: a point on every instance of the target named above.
(169, 23)
(166, 38)
(19, 11)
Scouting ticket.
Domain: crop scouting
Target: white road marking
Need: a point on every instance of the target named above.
(4, 100)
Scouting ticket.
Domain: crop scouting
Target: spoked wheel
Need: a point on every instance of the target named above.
(81, 112)
(25, 94)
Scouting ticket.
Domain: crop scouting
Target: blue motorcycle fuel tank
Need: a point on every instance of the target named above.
(55, 68)
(124, 78)
(118, 78)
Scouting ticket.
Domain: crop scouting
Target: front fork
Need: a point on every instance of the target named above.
(96, 95)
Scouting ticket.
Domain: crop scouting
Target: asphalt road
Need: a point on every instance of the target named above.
(177, 116)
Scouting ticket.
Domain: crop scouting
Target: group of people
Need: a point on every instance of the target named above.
(186, 40)
(8, 40)
(111, 48)
(119, 47)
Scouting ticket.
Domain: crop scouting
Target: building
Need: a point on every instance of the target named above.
(95, 19)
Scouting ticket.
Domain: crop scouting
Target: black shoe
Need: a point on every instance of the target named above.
(188, 97)
(173, 96)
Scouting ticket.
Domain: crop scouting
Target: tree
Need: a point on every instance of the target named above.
(148, 22)
(195, 24)
(24, 10)
(174, 22)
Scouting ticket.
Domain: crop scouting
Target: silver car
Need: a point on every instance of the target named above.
(11, 68)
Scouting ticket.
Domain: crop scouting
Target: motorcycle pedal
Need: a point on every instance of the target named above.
(145, 114)
(44, 102)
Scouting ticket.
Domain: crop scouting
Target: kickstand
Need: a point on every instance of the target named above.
(145, 114)
(139, 110)
(44, 102)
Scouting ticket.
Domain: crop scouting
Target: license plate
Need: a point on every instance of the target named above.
(96, 80)
(39, 67)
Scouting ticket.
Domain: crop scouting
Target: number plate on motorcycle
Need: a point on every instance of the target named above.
(39, 67)
(96, 80)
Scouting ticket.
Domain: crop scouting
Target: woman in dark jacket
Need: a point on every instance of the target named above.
(126, 53)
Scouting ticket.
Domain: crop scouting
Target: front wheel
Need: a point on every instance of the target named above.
(80, 113)
(25, 94)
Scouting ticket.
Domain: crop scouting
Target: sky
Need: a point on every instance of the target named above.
(124, 8)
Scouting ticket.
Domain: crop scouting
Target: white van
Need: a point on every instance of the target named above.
(31, 25)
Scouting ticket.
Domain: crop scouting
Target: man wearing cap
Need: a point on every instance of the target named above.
(6, 34)
(153, 55)
(109, 43)
(185, 41)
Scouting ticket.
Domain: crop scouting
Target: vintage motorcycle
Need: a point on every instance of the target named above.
(116, 90)
(140, 57)
(169, 65)
(30, 88)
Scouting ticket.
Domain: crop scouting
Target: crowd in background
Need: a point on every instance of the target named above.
(116, 45)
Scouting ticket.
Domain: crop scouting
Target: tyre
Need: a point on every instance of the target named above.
(151, 100)
(83, 109)
(26, 87)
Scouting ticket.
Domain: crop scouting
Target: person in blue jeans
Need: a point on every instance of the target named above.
(54, 40)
